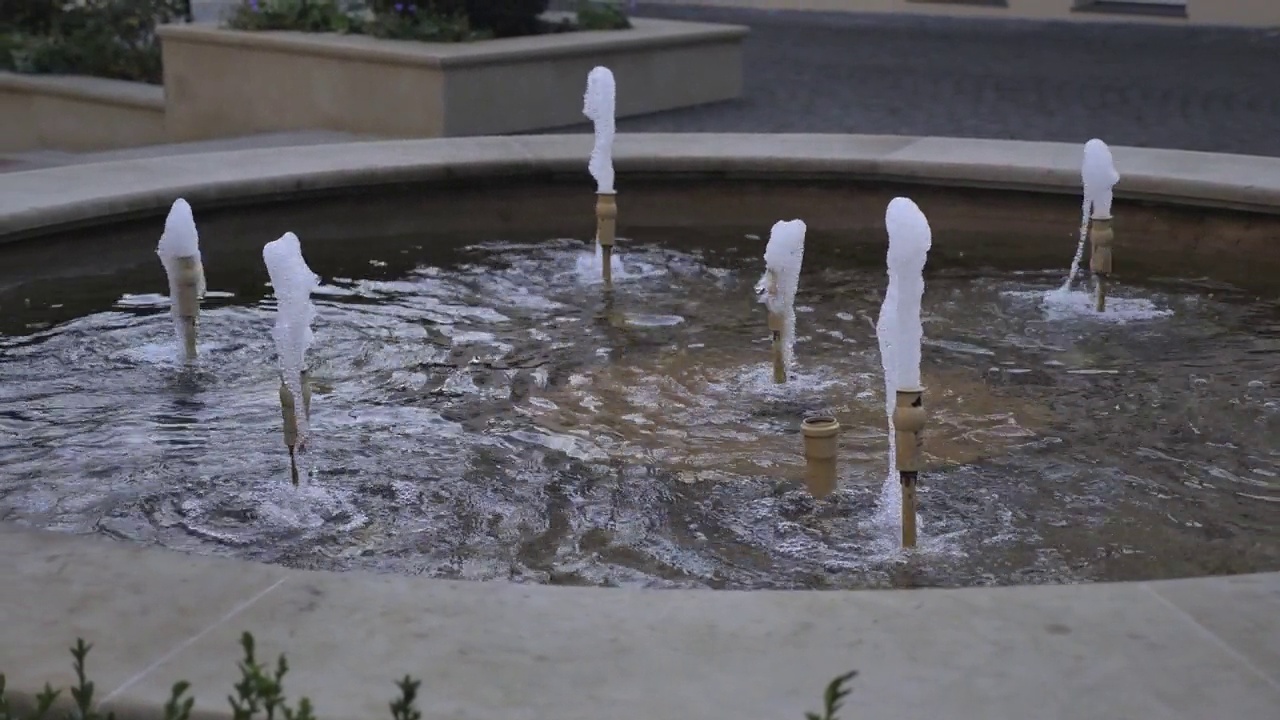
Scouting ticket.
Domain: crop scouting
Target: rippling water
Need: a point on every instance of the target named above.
(487, 413)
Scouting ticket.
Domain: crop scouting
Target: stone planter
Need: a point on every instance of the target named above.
(227, 82)
(78, 114)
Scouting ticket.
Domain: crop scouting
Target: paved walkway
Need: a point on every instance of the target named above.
(1205, 89)
(1142, 85)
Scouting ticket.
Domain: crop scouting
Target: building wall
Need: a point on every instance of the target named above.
(1245, 13)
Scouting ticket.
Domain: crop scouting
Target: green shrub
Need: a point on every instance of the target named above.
(260, 694)
(304, 15)
(103, 38)
(425, 20)
(593, 15)
(34, 17)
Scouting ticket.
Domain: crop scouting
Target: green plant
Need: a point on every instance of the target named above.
(104, 38)
(304, 15)
(597, 15)
(260, 694)
(833, 697)
(406, 21)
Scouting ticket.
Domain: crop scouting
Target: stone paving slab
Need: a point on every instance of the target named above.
(499, 650)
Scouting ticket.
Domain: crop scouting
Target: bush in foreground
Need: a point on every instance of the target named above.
(260, 694)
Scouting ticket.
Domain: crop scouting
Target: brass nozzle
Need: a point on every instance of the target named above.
(186, 302)
(606, 219)
(908, 424)
(820, 451)
(289, 412)
(1101, 237)
(779, 352)
(306, 394)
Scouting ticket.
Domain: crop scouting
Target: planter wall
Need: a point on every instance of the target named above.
(78, 114)
(225, 82)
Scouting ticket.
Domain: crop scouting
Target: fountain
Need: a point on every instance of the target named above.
(900, 333)
(293, 282)
(599, 106)
(179, 251)
(777, 290)
(1098, 176)
(481, 423)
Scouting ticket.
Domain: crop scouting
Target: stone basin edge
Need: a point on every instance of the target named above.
(1172, 649)
(34, 202)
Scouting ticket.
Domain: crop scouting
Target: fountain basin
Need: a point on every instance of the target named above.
(1137, 622)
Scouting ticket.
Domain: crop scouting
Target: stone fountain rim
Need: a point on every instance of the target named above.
(644, 653)
(40, 201)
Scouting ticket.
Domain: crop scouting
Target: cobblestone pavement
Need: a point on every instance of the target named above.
(1155, 86)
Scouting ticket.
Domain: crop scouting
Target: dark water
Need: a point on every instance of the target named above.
(484, 413)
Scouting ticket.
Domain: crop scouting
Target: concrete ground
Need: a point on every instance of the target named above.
(1130, 84)
(1215, 90)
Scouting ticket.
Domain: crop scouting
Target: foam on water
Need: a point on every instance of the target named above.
(588, 267)
(1080, 305)
(598, 105)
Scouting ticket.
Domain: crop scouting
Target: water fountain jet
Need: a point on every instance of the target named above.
(599, 105)
(293, 282)
(179, 251)
(777, 290)
(1098, 177)
(900, 333)
(820, 450)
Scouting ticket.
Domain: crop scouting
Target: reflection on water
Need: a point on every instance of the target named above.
(492, 414)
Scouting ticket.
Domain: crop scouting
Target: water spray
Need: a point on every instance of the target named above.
(179, 251)
(900, 333)
(820, 450)
(1099, 176)
(293, 282)
(777, 290)
(599, 105)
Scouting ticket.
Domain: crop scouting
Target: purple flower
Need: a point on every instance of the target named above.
(254, 4)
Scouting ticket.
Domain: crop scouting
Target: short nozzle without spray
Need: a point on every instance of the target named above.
(821, 443)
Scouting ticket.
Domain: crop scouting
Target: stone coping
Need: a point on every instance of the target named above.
(1184, 649)
(39, 201)
(645, 33)
(81, 87)
(1172, 650)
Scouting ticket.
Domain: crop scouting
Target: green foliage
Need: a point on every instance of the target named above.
(406, 21)
(103, 38)
(423, 20)
(304, 15)
(596, 15)
(834, 697)
(259, 694)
